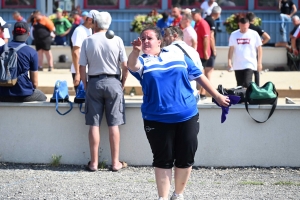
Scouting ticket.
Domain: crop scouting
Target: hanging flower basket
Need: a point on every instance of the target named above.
(141, 21)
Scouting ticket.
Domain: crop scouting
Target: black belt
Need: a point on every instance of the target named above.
(104, 76)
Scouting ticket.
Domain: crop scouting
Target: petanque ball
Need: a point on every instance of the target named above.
(109, 34)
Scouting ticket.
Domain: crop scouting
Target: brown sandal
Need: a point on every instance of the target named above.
(124, 165)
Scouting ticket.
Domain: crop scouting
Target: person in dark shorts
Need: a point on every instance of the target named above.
(209, 67)
(265, 39)
(43, 33)
(104, 91)
(169, 111)
(203, 35)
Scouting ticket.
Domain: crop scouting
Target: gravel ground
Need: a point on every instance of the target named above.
(35, 181)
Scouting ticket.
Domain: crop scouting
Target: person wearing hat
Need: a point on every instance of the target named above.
(84, 15)
(79, 35)
(245, 44)
(62, 28)
(25, 88)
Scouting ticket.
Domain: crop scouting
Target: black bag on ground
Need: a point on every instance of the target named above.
(256, 95)
(237, 91)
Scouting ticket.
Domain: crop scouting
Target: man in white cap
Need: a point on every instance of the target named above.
(79, 35)
(5, 36)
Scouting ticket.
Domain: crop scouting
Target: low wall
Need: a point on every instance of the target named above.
(272, 57)
(33, 132)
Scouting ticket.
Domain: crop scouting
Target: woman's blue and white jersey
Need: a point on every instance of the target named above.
(168, 96)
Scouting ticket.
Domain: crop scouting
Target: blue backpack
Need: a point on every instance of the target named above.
(9, 66)
(80, 96)
(61, 94)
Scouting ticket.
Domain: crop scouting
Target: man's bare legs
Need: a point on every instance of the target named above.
(40, 58)
(208, 73)
(49, 58)
(94, 140)
(114, 139)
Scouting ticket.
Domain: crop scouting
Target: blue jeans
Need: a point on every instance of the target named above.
(284, 18)
(60, 40)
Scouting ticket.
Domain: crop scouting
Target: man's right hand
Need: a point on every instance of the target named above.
(229, 67)
(76, 79)
(206, 57)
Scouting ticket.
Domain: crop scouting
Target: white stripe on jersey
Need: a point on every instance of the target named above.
(163, 69)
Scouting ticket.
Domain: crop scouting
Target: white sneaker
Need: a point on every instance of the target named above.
(177, 197)
(160, 198)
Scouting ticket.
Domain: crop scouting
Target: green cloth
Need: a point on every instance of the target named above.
(61, 25)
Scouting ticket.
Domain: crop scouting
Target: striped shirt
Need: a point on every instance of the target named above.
(165, 79)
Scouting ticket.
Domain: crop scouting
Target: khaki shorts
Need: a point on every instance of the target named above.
(104, 93)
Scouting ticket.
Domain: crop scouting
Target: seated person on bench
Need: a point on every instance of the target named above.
(27, 62)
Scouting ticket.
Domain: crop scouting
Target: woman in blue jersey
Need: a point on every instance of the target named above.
(169, 108)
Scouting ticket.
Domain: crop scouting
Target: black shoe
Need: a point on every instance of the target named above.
(202, 97)
(219, 29)
(49, 69)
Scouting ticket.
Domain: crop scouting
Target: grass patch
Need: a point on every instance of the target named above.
(102, 164)
(251, 183)
(288, 183)
(218, 183)
(151, 180)
(55, 162)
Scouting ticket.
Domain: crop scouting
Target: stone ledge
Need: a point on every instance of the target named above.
(138, 103)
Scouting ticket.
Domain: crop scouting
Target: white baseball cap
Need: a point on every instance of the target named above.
(92, 14)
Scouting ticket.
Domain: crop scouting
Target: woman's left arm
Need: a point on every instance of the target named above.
(221, 99)
(195, 74)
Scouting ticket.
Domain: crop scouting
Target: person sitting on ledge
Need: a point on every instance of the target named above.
(27, 61)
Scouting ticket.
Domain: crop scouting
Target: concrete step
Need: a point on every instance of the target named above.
(137, 90)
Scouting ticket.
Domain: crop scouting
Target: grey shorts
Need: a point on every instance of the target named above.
(104, 93)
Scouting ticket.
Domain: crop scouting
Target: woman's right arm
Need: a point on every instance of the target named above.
(133, 64)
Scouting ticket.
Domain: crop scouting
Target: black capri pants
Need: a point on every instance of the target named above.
(173, 143)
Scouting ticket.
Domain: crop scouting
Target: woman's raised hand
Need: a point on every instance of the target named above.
(137, 44)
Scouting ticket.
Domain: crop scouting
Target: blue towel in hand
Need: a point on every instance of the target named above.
(233, 100)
